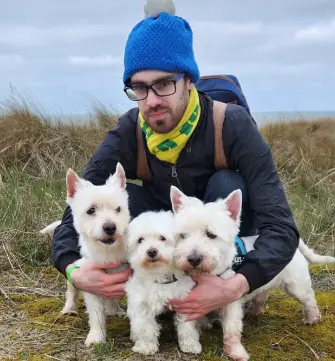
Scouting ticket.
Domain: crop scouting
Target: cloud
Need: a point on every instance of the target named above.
(10, 59)
(320, 33)
(32, 36)
(104, 60)
(261, 69)
(227, 28)
(279, 50)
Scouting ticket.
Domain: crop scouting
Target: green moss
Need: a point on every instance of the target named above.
(117, 326)
(21, 298)
(279, 335)
(322, 270)
(41, 306)
(36, 354)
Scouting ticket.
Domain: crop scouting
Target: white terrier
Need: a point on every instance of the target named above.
(151, 246)
(100, 217)
(206, 244)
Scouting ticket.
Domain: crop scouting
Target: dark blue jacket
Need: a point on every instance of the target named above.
(245, 150)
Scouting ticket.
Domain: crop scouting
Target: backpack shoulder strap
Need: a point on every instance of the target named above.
(219, 112)
(143, 171)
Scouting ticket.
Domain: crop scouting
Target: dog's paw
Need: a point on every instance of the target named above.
(93, 337)
(145, 348)
(190, 346)
(236, 352)
(70, 310)
(312, 318)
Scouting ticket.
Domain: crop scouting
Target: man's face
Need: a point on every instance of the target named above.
(162, 113)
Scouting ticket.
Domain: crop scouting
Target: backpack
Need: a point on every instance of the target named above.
(222, 89)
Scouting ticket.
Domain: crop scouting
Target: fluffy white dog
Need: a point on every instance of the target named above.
(100, 217)
(206, 244)
(155, 280)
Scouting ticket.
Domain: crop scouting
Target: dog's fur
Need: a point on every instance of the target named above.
(147, 290)
(207, 232)
(100, 217)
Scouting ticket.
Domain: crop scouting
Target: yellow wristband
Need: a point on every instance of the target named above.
(69, 270)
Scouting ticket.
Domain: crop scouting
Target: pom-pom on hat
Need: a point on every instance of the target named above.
(162, 41)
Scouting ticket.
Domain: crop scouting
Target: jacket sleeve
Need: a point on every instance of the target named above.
(118, 146)
(278, 239)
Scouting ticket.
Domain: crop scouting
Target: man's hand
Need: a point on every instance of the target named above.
(211, 293)
(93, 279)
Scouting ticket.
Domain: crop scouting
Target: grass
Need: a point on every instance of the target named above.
(36, 151)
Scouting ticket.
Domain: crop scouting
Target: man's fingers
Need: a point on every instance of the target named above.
(107, 265)
(184, 311)
(191, 305)
(116, 288)
(177, 301)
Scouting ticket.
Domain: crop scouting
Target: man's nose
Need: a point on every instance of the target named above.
(152, 99)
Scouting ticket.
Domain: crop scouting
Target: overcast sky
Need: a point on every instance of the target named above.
(64, 54)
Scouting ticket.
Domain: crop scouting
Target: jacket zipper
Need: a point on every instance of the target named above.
(175, 175)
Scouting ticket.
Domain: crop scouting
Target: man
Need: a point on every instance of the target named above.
(160, 74)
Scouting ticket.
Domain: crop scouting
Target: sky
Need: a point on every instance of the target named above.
(67, 55)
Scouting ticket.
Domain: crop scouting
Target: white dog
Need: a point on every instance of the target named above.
(151, 246)
(206, 244)
(100, 217)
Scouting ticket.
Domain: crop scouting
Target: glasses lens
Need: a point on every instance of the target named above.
(165, 88)
(131, 94)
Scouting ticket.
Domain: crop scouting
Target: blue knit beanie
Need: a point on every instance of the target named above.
(162, 42)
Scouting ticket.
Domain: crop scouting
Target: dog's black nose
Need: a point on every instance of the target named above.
(109, 228)
(195, 259)
(152, 252)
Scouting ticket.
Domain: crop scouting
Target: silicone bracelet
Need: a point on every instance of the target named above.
(69, 270)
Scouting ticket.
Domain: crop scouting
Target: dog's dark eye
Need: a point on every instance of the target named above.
(182, 235)
(140, 240)
(210, 235)
(91, 211)
(118, 210)
(162, 238)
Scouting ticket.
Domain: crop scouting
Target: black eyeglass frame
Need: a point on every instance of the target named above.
(174, 81)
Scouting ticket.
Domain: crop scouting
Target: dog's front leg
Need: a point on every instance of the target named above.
(97, 319)
(144, 331)
(188, 335)
(71, 296)
(232, 316)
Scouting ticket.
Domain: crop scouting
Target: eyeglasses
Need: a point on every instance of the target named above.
(162, 89)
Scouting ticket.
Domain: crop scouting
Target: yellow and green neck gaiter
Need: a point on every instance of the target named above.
(167, 147)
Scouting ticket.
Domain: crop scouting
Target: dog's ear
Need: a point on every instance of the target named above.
(177, 199)
(72, 181)
(119, 176)
(233, 204)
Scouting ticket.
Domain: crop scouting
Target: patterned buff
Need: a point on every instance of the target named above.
(167, 147)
